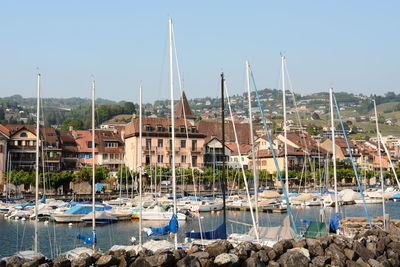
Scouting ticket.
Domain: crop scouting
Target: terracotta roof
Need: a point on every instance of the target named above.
(14, 128)
(183, 109)
(82, 138)
(244, 148)
(132, 128)
(4, 130)
(68, 141)
(50, 136)
(214, 129)
(103, 136)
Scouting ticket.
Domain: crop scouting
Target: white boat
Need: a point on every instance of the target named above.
(101, 217)
(157, 213)
(206, 206)
(67, 217)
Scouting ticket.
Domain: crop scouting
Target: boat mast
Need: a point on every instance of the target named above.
(171, 87)
(93, 167)
(255, 177)
(333, 150)
(36, 245)
(140, 167)
(223, 146)
(380, 166)
(284, 121)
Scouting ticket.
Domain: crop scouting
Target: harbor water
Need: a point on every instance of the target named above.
(55, 238)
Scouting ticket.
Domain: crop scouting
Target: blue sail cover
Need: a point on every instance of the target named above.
(219, 233)
(172, 227)
(91, 240)
(334, 225)
(43, 199)
(83, 209)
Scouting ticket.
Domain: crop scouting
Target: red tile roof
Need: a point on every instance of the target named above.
(183, 109)
(214, 129)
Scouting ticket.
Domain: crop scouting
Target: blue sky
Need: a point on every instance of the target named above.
(350, 45)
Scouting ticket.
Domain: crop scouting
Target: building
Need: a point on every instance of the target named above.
(236, 158)
(342, 151)
(4, 136)
(157, 143)
(70, 155)
(213, 153)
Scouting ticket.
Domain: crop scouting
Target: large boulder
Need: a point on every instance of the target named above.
(178, 254)
(362, 251)
(282, 246)
(226, 259)
(35, 261)
(82, 261)
(263, 256)
(188, 261)
(15, 261)
(320, 261)
(107, 260)
(294, 258)
(335, 254)
(161, 259)
(350, 254)
(218, 247)
(140, 262)
(61, 261)
(253, 262)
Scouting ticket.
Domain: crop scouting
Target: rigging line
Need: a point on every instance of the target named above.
(186, 125)
(273, 155)
(352, 161)
(241, 165)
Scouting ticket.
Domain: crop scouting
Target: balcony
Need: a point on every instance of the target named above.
(113, 161)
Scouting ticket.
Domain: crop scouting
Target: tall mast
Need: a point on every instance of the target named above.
(284, 121)
(333, 150)
(93, 167)
(140, 166)
(223, 146)
(255, 177)
(36, 245)
(380, 166)
(171, 87)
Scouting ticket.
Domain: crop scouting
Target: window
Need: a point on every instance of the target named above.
(183, 159)
(147, 128)
(111, 156)
(159, 143)
(20, 143)
(23, 135)
(148, 143)
(160, 158)
(183, 143)
(170, 128)
(1, 148)
(194, 161)
(89, 144)
(194, 144)
(148, 160)
(170, 143)
(105, 156)
(159, 128)
(182, 129)
(194, 129)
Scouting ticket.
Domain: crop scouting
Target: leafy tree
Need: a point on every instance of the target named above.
(77, 124)
(85, 175)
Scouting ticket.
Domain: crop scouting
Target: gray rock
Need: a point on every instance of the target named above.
(340, 241)
(350, 254)
(140, 262)
(362, 251)
(371, 246)
(271, 254)
(145, 252)
(47, 264)
(335, 254)
(312, 242)
(35, 262)
(218, 247)
(130, 257)
(82, 261)
(3, 263)
(375, 263)
(161, 259)
(107, 260)
(188, 261)
(394, 262)
(201, 255)
(263, 256)
(395, 246)
(294, 258)
(301, 243)
(316, 250)
(226, 259)
(193, 249)
(326, 241)
(178, 254)
(273, 264)
(15, 261)
(253, 262)
(61, 261)
(362, 263)
(320, 261)
(282, 246)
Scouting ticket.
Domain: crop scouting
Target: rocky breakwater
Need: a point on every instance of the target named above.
(370, 248)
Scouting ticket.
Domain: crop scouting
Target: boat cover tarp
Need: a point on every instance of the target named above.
(396, 196)
(275, 233)
(334, 225)
(99, 187)
(83, 209)
(100, 216)
(317, 229)
(303, 197)
(219, 233)
(172, 227)
(91, 239)
(269, 194)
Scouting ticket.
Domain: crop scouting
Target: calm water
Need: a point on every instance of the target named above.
(57, 238)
